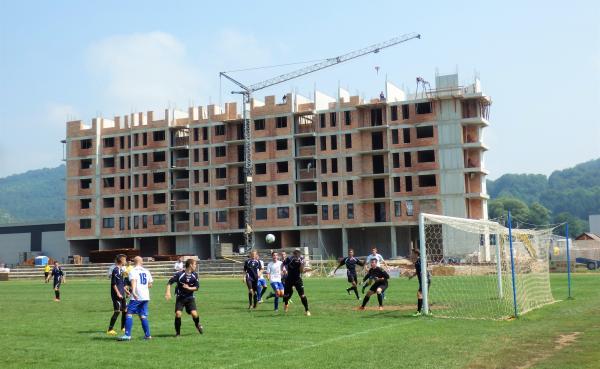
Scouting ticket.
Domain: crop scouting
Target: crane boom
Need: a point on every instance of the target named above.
(246, 98)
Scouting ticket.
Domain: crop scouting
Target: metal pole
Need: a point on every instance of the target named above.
(424, 286)
(499, 267)
(512, 265)
(568, 260)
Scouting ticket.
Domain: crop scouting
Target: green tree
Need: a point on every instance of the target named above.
(538, 214)
(576, 225)
(499, 208)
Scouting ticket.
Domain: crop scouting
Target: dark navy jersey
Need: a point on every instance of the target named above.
(351, 264)
(418, 270)
(181, 278)
(376, 273)
(293, 265)
(57, 273)
(251, 267)
(117, 279)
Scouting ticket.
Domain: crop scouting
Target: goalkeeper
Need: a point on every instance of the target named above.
(416, 254)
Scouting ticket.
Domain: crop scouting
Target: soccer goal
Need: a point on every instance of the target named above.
(478, 273)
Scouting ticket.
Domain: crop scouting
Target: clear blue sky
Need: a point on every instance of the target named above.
(538, 60)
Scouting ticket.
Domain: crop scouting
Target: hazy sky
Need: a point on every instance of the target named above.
(539, 61)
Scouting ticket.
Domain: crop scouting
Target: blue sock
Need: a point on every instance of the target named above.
(276, 302)
(145, 326)
(128, 325)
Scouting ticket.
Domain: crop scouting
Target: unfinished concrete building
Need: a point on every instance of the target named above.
(330, 173)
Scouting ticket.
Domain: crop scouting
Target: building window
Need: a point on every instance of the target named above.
(335, 209)
(322, 120)
(221, 195)
(405, 111)
(283, 190)
(204, 133)
(205, 154)
(281, 122)
(325, 212)
(332, 119)
(423, 108)
(121, 223)
(407, 159)
(349, 187)
(282, 144)
(108, 182)
(144, 221)
(122, 142)
(395, 139)
(261, 191)
(158, 156)
(334, 142)
(334, 165)
(144, 138)
(334, 188)
(158, 177)
(196, 198)
(205, 197)
(205, 218)
(108, 202)
(408, 186)
(396, 160)
(108, 162)
(85, 223)
(259, 124)
(85, 163)
(122, 203)
(260, 146)
(425, 132)
(221, 216)
(323, 142)
(108, 223)
(323, 165)
(349, 164)
(85, 203)
(396, 184)
(426, 156)
(282, 167)
(86, 144)
(196, 155)
(85, 183)
(196, 134)
(159, 198)
(261, 214)
(394, 111)
(324, 189)
(160, 135)
(427, 180)
(348, 138)
(220, 130)
(221, 173)
(409, 208)
(397, 208)
(121, 162)
(283, 212)
(159, 219)
(196, 219)
(109, 142)
(220, 151)
(348, 117)
(260, 168)
(350, 211)
(136, 140)
(205, 175)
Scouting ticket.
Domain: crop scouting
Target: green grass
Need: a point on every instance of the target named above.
(37, 332)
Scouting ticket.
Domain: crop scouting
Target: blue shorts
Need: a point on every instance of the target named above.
(277, 286)
(262, 282)
(137, 307)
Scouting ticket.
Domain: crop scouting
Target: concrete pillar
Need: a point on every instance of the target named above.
(320, 245)
(213, 246)
(393, 242)
(102, 245)
(137, 243)
(344, 241)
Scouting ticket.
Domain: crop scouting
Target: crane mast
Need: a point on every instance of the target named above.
(246, 92)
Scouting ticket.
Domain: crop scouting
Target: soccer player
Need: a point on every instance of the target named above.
(350, 261)
(251, 268)
(59, 277)
(262, 282)
(380, 278)
(274, 274)
(47, 270)
(293, 267)
(417, 261)
(380, 262)
(117, 295)
(141, 282)
(187, 284)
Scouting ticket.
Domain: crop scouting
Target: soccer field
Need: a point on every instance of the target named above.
(37, 332)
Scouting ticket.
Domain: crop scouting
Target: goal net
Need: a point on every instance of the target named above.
(472, 269)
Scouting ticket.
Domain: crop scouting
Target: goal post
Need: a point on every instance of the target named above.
(474, 263)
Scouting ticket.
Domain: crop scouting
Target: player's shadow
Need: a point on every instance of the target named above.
(88, 332)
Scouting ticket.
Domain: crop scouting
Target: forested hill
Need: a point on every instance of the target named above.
(567, 195)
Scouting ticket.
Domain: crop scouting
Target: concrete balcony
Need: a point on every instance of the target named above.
(181, 141)
(309, 219)
(182, 183)
(305, 129)
(306, 174)
(180, 205)
(182, 226)
(182, 163)
(307, 151)
(308, 196)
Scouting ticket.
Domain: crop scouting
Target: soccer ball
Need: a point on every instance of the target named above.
(270, 238)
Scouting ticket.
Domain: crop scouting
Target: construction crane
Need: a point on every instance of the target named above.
(246, 92)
